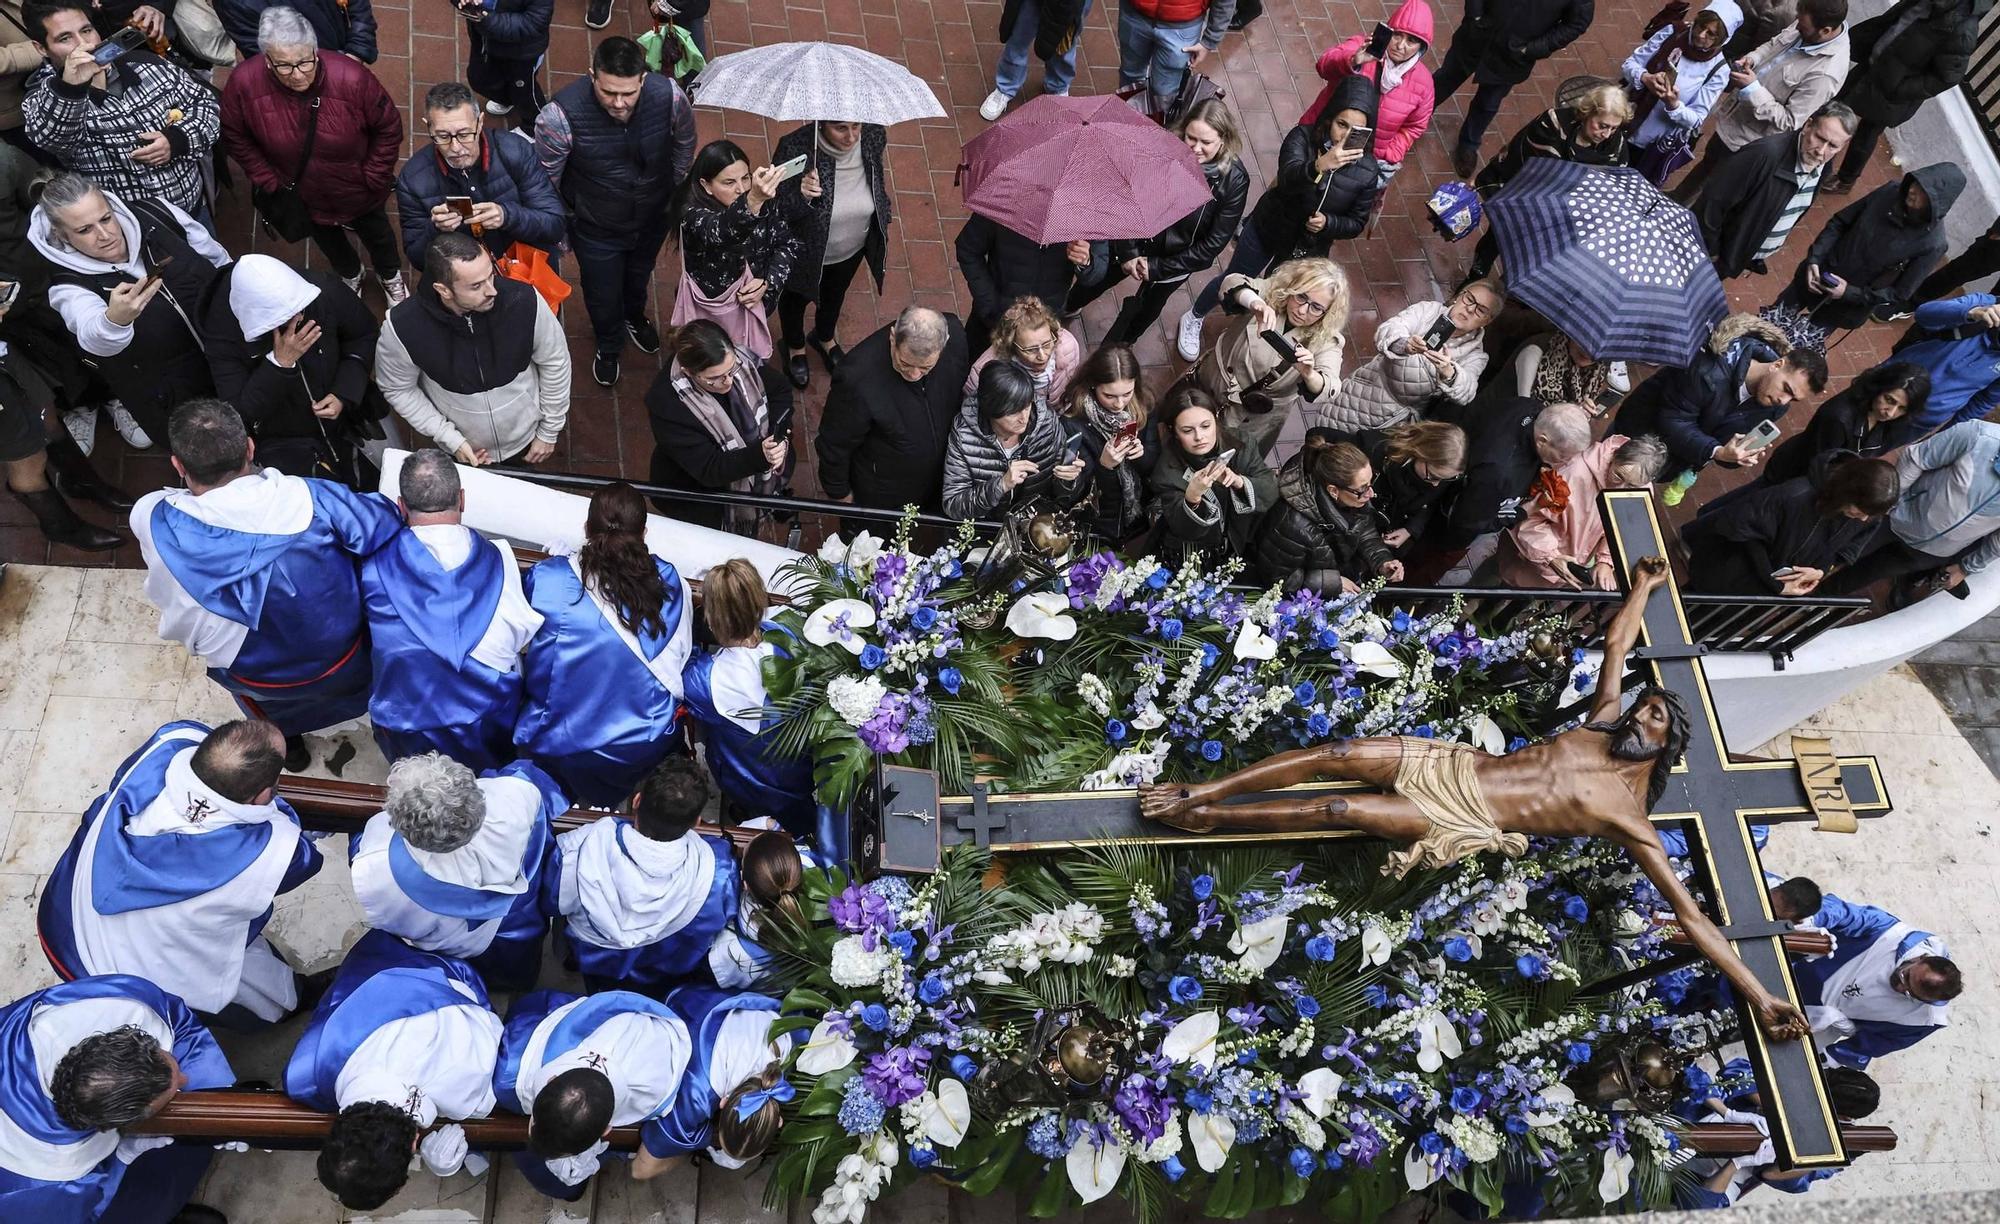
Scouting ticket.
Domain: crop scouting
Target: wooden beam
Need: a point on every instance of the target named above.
(1800, 941)
(1741, 1139)
(270, 1119)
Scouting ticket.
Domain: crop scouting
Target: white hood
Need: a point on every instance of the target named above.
(636, 891)
(264, 294)
(41, 232)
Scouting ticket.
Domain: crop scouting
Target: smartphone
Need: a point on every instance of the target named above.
(11, 294)
(1440, 332)
(1126, 432)
(1378, 42)
(1358, 138)
(1225, 457)
(1072, 448)
(1761, 436)
(1582, 573)
(462, 205)
(793, 168)
(1783, 573)
(1284, 347)
(122, 42)
(1607, 399)
(159, 270)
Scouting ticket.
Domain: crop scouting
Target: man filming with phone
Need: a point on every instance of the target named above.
(489, 184)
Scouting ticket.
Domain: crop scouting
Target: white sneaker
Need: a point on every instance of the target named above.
(994, 106)
(82, 426)
(1189, 342)
(1619, 379)
(127, 428)
(394, 289)
(353, 282)
(498, 108)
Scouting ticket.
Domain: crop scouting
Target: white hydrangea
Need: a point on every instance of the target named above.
(855, 966)
(1167, 1146)
(855, 699)
(1093, 692)
(1307, 1128)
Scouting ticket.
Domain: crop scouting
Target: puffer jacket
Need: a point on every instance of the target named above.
(506, 173)
(1225, 522)
(1928, 56)
(359, 137)
(1307, 540)
(1405, 112)
(974, 466)
(1391, 389)
(1196, 240)
(1879, 248)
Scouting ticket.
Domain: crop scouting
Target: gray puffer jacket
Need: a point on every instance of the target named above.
(975, 467)
(1392, 388)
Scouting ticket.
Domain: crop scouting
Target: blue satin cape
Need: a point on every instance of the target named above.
(690, 1125)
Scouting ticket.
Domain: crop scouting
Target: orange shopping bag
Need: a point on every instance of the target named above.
(531, 264)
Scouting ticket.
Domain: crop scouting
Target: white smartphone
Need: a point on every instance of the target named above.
(793, 168)
(1225, 457)
(1762, 435)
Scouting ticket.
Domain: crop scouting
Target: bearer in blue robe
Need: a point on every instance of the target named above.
(78, 1061)
(447, 621)
(173, 871)
(453, 864)
(731, 1098)
(725, 694)
(773, 868)
(1885, 987)
(644, 899)
(401, 1040)
(257, 572)
(1853, 1095)
(578, 1066)
(603, 673)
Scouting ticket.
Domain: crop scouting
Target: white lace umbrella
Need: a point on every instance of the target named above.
(817, 80)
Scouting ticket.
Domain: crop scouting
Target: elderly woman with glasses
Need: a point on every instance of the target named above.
(1031, 337)
(1260, 385)
(1428, 354)
(311, 122)
(1322, 533)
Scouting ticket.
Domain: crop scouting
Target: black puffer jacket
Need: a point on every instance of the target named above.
(1403, 500)
(1307, 540)
(1346, 196)
(1880, 248)
(1225, 523)
(1195, 241)
(1930, 55)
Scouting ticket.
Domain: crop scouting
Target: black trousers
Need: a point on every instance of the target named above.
(1866, 136)
(617, 281)
(376, 234)
(1976, 262)
(510, 82)
(1140, 311)
(834, 279)
(1893, 559)
(1457, 67)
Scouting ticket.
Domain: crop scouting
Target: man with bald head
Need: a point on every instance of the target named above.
(173, 872)
(881, 439)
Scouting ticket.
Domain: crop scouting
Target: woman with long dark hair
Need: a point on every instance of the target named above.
(736, 250)
(1107, 410)
(1787, 539)
(1209, 490)
(1416, 465)
(1876, 413)
(603, 673)
(718, 423)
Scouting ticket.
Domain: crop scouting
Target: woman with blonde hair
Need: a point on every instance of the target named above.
(1409, 377)
(1029, 335)
(1260, 386)
(1416, 465)
(1591, 130)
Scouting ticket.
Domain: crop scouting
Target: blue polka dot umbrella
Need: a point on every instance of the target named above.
(1616, 265)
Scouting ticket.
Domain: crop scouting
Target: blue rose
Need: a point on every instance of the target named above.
(1458, 948)
(1432, 1143)
(1529, 966)
(1171, 629)
(1517, 743)
(1306, 1006)
(1114, 730)
(1158, 578)
(1245, 1058)
(1319, 726)
(875, 1016)
(1211, 750)
(1303, 692)
(1210, 652)
(963, 1067)
(1576, 909)
(904, 943)
(949, 680)
(922, 1157)
(1302, 1162)
(1516, 1124)
(1377, 996)
(932, 990)
(873, 656)
(1426, 731)
(1465, 1100)
(1326, 639)
(924, 617)
(1321, 948)
(1173, 1168)
(1578, 1052)
(1184, 989)
(1334, 1161)
(1198, 1100)
(1400, 621)
(1202, 886)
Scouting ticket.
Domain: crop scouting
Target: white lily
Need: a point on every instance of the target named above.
(1437, 1041)
(1318, 1090)
(1486, 734)
(826, 1050)
(1375, 945)
(821, 631)
(1192, 1041)
(1258, 945)
(947, 1115)
(1212, 1136)
(1375, 659)
(1042, 615)
(1617, 1179)
(1556, 1101)
(1421, 1169)
(1094, 1170)
(1253, 643)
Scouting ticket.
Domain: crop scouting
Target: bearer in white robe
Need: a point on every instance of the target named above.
(1886, 986)
(172, 874)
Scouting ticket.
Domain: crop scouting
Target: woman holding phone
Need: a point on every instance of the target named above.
(736, 250)
(1786, 539)
(840, 209)
(1427, 354)
(1209, 490)
(1105, 425)
(1392, 56)
(1005, 450)
(1280, 353)
(718, 423)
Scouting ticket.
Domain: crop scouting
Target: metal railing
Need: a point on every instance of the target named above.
(1982, 78)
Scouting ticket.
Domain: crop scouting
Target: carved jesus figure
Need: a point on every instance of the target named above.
(1448, 801)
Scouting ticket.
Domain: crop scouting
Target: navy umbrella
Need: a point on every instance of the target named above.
(1619, 267)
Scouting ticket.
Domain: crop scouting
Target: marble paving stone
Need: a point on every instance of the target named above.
(15, 748)
(120, 670)
(269, 1186)
(112, 607)
(200, 698)
(81, 742)
(315, 924)
(35, 607)
(22, 966)
(669, 1198)
(727, 1196)
(517, 1202)
(35, 840)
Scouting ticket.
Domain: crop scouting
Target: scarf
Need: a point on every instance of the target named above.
(1389, 74)
(740, 420)
(1667, 58)
(1107, 424)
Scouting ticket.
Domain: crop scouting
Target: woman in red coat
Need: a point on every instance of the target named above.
(268, 106)
(1400, 77)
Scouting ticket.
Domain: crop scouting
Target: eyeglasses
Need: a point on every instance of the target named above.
(456, 138)
(1036, 350)
(302, 68)
(1312, 308)
(1363, 493)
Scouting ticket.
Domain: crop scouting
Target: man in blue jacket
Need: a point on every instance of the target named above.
(512, 198)
(1885, 986)
(1747, 374)
(1962, 357)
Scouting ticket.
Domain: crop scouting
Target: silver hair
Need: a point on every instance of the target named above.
(920, 332)
(429, 482)
(284, 27)
(65, 190)
(1567, 425)
(1841, 113)
(434, 802)
(1645, 452)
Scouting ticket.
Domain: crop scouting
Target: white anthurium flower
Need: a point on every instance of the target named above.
(1148, 718)
(1253, 643)
(1212, 1136)
(1375, 945)
(1375, 659)
(820, 630)
(1421, 1169)
(1258, 945)
(1094, 1170)
(948, 1115)
(1192, 1041)
(1485, 734)
(1616, 1182)
(1042, 615)
(1556, 1102)
(826, 1050)
(1437, 1041)
(1318, 1089)
(866, 547)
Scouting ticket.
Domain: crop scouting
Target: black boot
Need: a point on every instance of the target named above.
(61, 525)
(298, 757)
(73, 476)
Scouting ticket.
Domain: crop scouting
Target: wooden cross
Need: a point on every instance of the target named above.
(1718, 799)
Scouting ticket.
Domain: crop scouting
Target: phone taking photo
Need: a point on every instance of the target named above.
(462, 205)
(158, 272)
(1126, 432)
(1359, 138)
(1760, 436)
(1440, 332)
(1285, 348)
(793, 168)
(1378, 41)
(121, 43)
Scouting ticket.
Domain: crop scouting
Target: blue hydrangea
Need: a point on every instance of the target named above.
(860, 1110)
(893, 889)
(1046, 1138)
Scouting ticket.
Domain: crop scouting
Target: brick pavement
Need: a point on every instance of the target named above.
(1267, 71)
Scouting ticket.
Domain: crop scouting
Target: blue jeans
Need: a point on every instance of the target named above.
(1012, 70)
(1155, 54)
(1250, 258)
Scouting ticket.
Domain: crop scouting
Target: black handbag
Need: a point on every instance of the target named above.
(284, 211)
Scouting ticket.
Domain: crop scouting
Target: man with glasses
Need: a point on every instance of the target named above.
(139, 125)
(488, 184)
(882, 436)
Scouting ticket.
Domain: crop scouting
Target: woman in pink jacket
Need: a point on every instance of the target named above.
(1559, 541)
(1399, 75)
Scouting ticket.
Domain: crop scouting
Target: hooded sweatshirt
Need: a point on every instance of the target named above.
(1405, 112)
(82, 309)
(1882, 248)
